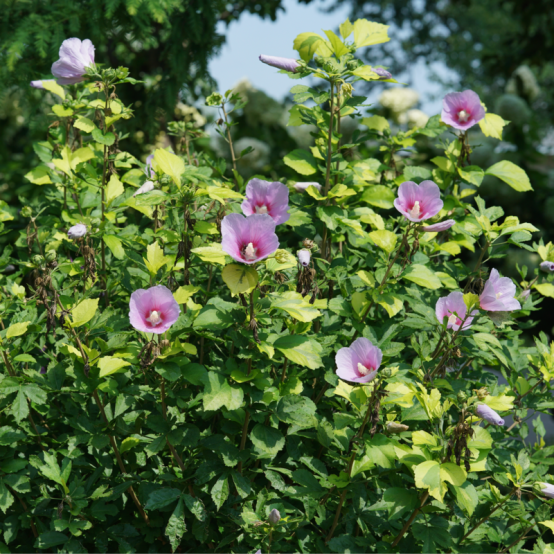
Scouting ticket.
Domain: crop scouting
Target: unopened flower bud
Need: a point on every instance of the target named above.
(462, 396)
(488, 414)
(274, 517)
(215, 99)
(347, 90)
(308, 243)
(395, 427)
(548, 267)
(37, 259)
(27, 211)
(281, 256)
(481, 393)
(50, 255)
(352, 65)
(304, 257)
(385, 373)
(164, 344)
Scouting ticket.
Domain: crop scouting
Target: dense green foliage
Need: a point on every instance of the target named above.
(111, 439)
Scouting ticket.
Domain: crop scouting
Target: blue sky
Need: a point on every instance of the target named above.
(251, 36)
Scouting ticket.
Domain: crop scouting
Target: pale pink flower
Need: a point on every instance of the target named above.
(274, 517)
(525, 294)
(454, 308)
(440, 226)
(147, 187)
(249, 239)
(547, 266)
(288, 64)
(498, 294)
(148, 171)
(303, 186)
(462, 110)
(418, 202)
(265, 197)
(153, 310)
(548, 490)
(304, 257)
(77, 231)
(75, 57)
(383, 73)
(38, 84)
(488, 414)
(359, 362)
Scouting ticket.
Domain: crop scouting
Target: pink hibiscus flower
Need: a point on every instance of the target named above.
(454, 308)
(153, 310)
(264, 197)
(359, 362)
(75, 57)
(418, 202)
(462, 110)
(249, 239)
(288, 64)
(499, 294)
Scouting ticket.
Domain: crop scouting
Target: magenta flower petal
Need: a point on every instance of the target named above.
(359, 362)
(499, 294)
(547, 266)
(454, 308)
(548, 490)
(75, 57)
(440, 226)
(462, 110)
(303, 186)
(418, 202)
(304, 257)
(249, 239)
(153, 310)
(288, 64)
(265, 197)
(77, 231)
(489, 414)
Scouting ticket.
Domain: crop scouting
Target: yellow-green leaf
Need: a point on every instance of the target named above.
(60, 111)
(391, 303)
(115, 245)
(423, 437)
(80, 155)
(501, 403)
(64, 164)
(354, 394)
(40, 175)
(221, 193)
(18, 290)
(51, 86)
(428, 476)
(109, 365)
(512, 174)
(83, 312)
(212, 254)
(367, 74)
(346, 29)
(300, 350)
(17, 329)
(295, 305)
(339, 48)
(384, 239)
(114, 189)
(155, 258)
(367, 33)
(421, 275)
(301, 161)
(182, 294)
(170, 164)
(84, 124)
(492, 125)
(546, 289)
(471, 300)
(128, 443)
(240, 278)
(307, 44)
(453, 474)
(376, 122)
(366, 277)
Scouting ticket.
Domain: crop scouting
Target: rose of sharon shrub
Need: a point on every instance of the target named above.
(319, 374)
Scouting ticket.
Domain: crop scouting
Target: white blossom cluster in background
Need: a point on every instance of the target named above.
(413, 118)
(531, 88)
(399, 100)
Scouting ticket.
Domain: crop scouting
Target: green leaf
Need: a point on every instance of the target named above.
(161, 498)
(106, 139)
(471, 300)
(546, 289)
(296, 410)
(391, 303)
(384, 239)
(182, 294)
(421, 275)
(212, 254)
(170, 164)
(109, 365)
(295, 305)
(155, 258)
(6, 497)
(339, 48)
(492, 125)
(51, 86)
(512, 174)
(9, 435)
(423, 438)
(60, 111)
(472, 174)
(467, 497)
(40, 175)
(427, 476)
(20, 408)
(25, 358)
(115, 246)
(307, 44)
(84, 124)
(346, 29)
(453, 474)
(17, 329)
(84, 312)
(299, 350)
(376, 123)
(176, 526)
(380, 451)
(128, 444)
(301, 161)
(114, 188)
(368, 33)
(267, 440)
(501, 402)
(49, 539)
(240, 278)
(379, 196)
(218, 393)
(220, 491)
